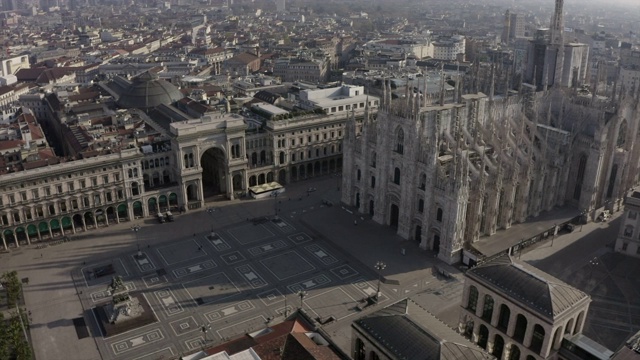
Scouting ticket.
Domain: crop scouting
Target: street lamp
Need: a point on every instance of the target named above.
(135, 229)
(275, 203)
(210, 212)
(593, 263)
(379, 266)
(204, 330)
(302, 294)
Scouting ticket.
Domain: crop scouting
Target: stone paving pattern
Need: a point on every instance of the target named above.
(243, 282)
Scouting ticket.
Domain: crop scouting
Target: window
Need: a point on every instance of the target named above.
(423, 182)
(373, 160)
(293, 157)
(628, 231)
(503, 319)
(373, 182)
(473, 298)
(624, 246)
(96, 199)
(359, 175)
(487, 311)
(109, 197)
(59, 189)
(70, 186)
(421, 206)
(400, 141)
(94, 181)
(85, 201)
(35, 194)
(537, 339)
(120, 194)
(632, 215)
(47, 191)
(83, 184)
(12, 199)
(116, 176)
(439, 214)
(74, 204)
(396, 176)
(23, 195)
(105, 179)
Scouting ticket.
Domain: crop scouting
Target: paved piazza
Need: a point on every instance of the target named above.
(236, 281)
(223, 272)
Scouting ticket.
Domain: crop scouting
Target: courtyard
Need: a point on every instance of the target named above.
(206, 288)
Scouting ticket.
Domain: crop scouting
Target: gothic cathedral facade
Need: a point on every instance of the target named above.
(446, 174)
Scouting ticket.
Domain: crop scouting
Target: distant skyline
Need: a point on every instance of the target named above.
(633, 3)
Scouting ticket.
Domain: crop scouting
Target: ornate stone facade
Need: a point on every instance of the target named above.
(515, 311)
(215, 155)
(446, 174)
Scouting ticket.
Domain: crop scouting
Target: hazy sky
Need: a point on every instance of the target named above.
(633, 3)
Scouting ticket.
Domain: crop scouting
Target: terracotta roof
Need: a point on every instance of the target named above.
(244, 58)
(284, 341)
(10, 144)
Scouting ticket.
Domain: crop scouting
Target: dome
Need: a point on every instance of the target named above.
(148, 91)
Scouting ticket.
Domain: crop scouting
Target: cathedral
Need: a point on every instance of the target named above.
(447, 173)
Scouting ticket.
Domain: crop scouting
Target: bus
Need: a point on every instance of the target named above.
(266, 190)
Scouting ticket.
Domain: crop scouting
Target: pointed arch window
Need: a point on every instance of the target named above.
(396, 176)
(622, 134)
(400, 141)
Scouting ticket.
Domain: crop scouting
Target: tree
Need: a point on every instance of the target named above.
(4, 339)
(13, 286)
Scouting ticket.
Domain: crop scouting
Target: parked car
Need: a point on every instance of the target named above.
(169, 216)
(160, 218)
(569, 227)
(604, 216)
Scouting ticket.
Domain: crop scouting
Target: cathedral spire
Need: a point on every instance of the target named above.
(383, 102)
(557, 24)
(442, 84)
(493, 81)
(389, 95)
